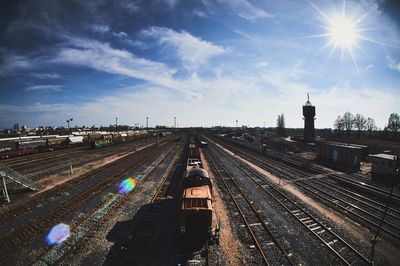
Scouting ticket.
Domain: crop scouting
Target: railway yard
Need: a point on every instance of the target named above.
(122, 205)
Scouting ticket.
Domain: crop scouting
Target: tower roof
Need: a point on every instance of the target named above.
(308, 103)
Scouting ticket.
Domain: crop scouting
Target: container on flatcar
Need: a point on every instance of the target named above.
(75, 139)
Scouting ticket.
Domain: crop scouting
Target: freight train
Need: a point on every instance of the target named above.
(103, 140)
(15, 147)
(197, 213)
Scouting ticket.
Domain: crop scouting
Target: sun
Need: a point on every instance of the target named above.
(343, 31)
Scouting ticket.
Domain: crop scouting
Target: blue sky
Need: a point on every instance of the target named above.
(206, 62)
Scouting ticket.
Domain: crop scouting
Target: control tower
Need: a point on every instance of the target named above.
(309, 114)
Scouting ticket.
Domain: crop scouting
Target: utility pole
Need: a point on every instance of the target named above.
(236, 136)
(175, 122)
(116, 124)
(147, 122)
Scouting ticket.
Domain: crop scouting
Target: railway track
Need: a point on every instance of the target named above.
(364, 209)
(58, 254)
(21, 236)
(137, 249)
(51, 163)
(344, 251)
(15, 210)
(354, 180)
(32, 159)
(269, 246)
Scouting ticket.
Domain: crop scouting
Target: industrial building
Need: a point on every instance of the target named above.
(309, 114)
(342, 156)
(384, 165)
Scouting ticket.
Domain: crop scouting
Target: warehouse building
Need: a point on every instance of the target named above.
(384, 166)
(341, 156)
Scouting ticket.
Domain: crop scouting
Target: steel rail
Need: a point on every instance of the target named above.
(322, 232)
(12, 242)
(224, 172)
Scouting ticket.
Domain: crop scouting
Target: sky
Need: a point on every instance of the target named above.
(205, 62)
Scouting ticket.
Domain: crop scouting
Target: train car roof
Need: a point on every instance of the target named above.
(384, 156)
(202, 192)
(196, 171)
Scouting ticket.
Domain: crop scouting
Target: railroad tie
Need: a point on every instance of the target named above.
(332, 242)
(311, 225)
(315, 228)
(254, 224)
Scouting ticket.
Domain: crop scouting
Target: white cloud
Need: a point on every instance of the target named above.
(129, 5)
(51, 75)
(250, 99)
(245, 9)
(392, 64)
(199, 13)
(12, 63)
(102, 57)
(44, 88)
(120, 34)
(100, 28)
(192, 51)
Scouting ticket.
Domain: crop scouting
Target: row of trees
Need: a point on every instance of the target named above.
(348, 122)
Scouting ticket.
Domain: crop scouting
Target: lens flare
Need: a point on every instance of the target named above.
(126, 185)
(57, 234)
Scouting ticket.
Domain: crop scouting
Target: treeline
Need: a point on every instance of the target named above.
(347, 124)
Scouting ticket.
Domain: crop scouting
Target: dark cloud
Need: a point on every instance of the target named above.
(9, 9)
(392, 9)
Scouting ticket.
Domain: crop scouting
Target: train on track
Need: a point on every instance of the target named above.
(197, 213)
(19, 146)
(103, 140)
(25, 146)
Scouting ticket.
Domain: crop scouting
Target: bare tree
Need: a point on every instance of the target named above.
(360, 123)
(370, 125)
(280, 125)
(339, 125)
(348, 122)
(394, 124)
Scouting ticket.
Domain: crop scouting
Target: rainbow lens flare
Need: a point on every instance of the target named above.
(57, 234)
(126, 185)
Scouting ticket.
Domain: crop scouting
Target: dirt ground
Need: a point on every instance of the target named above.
(386, 249)
(229, 245)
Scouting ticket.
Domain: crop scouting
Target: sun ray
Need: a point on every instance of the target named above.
(319, 10)
(378, 42)
(355, 63)
(345, 33)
